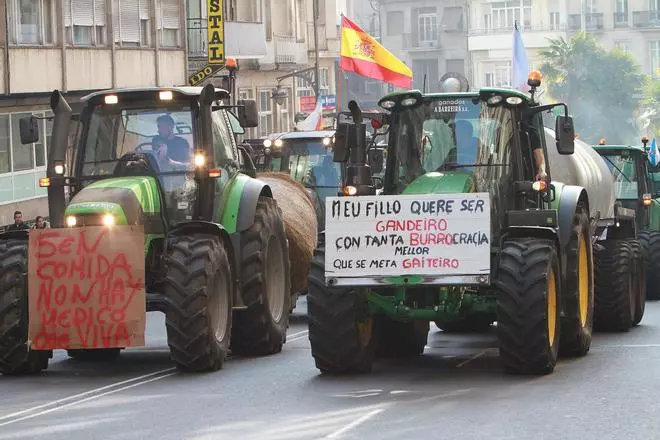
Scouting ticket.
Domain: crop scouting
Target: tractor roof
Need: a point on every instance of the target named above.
(183, 90)
(472, 94)
(301, 135)
(614, 149)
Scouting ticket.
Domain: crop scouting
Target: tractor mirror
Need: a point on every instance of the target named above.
(29, 128)
(248, 115)
(340, 149)
(565, 132)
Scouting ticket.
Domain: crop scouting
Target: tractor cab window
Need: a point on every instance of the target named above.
(456, 134)
(624, 172)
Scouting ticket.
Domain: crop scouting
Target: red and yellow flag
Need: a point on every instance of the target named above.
(363, 55)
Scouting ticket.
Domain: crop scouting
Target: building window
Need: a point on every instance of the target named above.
(621, 12)
(265, 112)
(654, 56)
(284, 116)
(5, 145)
(505, 14)
(623, 46)
(489, 79)
(31, 21)
(84, 22)
(324, 84)
(498, 75)
(133, 27)
(554, 21)
(428, 28)
(169, 21)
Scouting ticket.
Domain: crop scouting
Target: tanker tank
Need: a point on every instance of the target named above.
(585, 168)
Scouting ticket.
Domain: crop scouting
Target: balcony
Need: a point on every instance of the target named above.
(621, 19)
(243, 40)
(288, 50)
(592, 21)
(413, 42)
(476, 32)
(646, 19)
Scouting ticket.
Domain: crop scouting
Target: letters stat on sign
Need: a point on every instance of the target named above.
(86, 287)
(437, 234)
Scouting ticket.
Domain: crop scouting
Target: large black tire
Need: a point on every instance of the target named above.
(639, 280)
(266, 285)
(528, 315)
(650, 241)
(95, 355)
(614, 294)
(400, 339)
(15, 356)
(578, 294)
(199, 288)
(341, 332)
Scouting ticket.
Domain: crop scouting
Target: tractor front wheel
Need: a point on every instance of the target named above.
(341, 332)
(639, 280)
(528, 314)
(266, 285)
(199, 288)
(650, 241)
(15, 356)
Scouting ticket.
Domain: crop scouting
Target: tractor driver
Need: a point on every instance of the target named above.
(169, 148)
(537, 151)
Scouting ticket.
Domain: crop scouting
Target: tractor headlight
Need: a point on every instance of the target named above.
(200, 160)
(108, 220)
(71, 221)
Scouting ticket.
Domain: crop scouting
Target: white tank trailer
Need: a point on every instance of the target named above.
(585, 168)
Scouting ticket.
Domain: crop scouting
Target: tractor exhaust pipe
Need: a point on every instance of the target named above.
(57, 158)
(358, 172)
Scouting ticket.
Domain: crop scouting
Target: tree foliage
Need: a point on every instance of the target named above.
(598, 85)
(649, 117)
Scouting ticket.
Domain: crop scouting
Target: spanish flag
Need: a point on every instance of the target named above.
(363, 55)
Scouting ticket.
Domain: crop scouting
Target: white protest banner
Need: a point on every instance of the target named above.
(425, 234)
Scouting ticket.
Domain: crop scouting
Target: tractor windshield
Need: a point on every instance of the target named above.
(624, 173)
(458, 134)
(164, 135)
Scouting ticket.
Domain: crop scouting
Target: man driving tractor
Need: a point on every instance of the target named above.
(169, 147)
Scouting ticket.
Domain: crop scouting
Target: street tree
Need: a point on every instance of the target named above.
(598, 85)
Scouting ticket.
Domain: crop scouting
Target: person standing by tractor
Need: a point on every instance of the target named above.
(19, 224)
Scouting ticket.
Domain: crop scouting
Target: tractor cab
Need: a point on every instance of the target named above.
(633, 180)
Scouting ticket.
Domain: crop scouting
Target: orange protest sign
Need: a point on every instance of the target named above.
(86, 287)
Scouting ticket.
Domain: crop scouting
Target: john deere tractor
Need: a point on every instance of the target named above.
(468, 229)
(216, 252)
(636, 188)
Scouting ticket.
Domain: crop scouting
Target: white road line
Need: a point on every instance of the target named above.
(294, 335)
(353, 424)
(86, 393)
(476, 356)
(77, 402)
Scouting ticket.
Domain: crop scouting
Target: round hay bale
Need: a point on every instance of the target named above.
(300, 223)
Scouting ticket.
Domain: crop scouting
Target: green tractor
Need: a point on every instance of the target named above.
(636, 188)
(464, 234)
(217, 261)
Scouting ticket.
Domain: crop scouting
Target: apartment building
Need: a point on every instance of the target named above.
(76, 46)
(632, 25)
(271, 39)
(429, 36)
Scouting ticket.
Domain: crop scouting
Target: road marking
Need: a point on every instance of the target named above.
(628, 346)
(353, 424)
(86, 393)
(77, 402)
(297, 336)
(476, 356)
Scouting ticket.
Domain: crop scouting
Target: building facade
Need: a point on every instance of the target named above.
(271, 39)
(429, 36)
(631, 25)
(75, 46)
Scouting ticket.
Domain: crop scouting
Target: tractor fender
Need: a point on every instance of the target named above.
(199, 226)
(253, 189)
(543, 232)
(568, 201)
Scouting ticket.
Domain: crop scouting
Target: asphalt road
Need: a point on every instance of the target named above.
(455, 391)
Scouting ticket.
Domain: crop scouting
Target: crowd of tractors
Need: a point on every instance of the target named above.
(234, 239)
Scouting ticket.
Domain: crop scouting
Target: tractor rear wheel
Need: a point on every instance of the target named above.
(400, 339)
(614, 294)
(266, 285)
(199, 288)
(341, 332)
(578, 320)
(528, 315)
(639, 280)
(15, 356)
(650, 241)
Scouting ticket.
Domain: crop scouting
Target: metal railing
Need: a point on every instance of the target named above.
(592, 21)
(621, 19)
(646, 19)
(286, 49)
(473, 32)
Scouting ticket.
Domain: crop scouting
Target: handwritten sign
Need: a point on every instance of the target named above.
(86, 287)
(435, 234)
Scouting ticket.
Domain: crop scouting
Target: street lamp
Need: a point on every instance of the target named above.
(279, 95)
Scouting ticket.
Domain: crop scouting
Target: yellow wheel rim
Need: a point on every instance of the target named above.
(552, 308)
(583, 286)
(365, 329)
